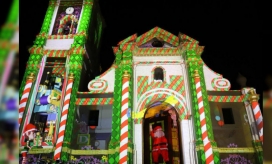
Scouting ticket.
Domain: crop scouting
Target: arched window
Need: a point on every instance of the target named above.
(158, 74)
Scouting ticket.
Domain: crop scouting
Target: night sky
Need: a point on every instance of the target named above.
(229, 30)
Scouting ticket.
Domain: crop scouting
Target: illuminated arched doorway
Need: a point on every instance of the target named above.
(161, 114)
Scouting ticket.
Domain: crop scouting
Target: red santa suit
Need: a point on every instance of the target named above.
(160, 145)
(29, 130)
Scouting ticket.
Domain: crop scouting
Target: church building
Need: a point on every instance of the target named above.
(157, 103)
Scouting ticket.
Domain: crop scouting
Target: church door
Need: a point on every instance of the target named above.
(151, 145)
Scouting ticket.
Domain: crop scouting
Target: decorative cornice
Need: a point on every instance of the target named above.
(94, 101)
(92, 152)
(126, 74)
(71, 76)
(196, 74)
(231, 150)
(93, 92)
(253, 96)
(157, 52)
(5, 44)
(236, 150)
(39, 150)
(36, 50)
(157, 62)
(31, 76)
(56, 53)
(241, 98)
(10, 26)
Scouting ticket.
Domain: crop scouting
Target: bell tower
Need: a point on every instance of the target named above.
(63, 58)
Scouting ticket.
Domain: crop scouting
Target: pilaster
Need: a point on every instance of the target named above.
(75, 67)
(195, 64)
(127, 70)
(116, 109)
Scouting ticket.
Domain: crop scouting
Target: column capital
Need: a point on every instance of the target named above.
(31, 76)
(196, 74)
(71, 76)
(126, 74)
(253, 96)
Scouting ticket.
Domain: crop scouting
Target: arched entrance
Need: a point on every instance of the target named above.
(161, 119)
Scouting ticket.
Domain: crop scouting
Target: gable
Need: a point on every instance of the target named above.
(155, 33)
(158, 33)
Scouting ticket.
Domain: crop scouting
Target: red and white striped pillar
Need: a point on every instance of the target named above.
(24, 155)
(253, 98)
(207, 144)
(23, 101)
(123, 157)
(64, 117)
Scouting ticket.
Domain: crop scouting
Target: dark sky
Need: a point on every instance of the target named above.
(229, 30)
(4, 11)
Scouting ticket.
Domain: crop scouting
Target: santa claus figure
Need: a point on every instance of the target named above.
(27, 140)
(160, 144)
(29, 135)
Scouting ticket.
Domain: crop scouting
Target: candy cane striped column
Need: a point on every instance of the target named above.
(253, 98)
(25, 96)
(207, 144)
(64, 117)
(24, 155)
(124, 120)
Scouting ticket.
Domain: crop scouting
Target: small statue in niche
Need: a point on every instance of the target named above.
(49, 137)
(160, 144)
(66, 28)
(37, 142)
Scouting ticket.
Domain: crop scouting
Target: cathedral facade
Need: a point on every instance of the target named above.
(158, 102)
